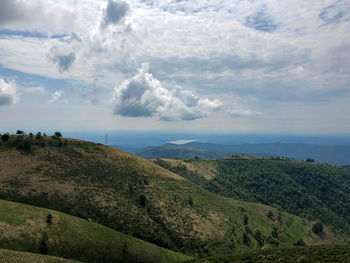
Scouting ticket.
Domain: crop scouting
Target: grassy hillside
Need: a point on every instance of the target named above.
(38, 230)
(314, 254)
(139, 198)
(313, 191)
(10, 256)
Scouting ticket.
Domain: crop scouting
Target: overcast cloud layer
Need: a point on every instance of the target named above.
(246, 62)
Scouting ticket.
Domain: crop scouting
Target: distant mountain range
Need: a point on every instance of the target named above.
(185, 151)
(336, 155)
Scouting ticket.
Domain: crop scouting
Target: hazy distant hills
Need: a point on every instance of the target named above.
(182, 152)
(336, 155)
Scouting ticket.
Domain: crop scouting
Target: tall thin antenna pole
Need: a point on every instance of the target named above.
(106, 138)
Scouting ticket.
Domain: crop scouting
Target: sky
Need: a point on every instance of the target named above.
(263, 66)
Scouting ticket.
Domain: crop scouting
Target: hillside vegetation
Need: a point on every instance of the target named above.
(139, 198)
(38, 230)
(319, 254)
(11, 256)
(310, 190)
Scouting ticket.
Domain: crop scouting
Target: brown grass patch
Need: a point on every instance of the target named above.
(205, 169)
(324, 238)
(10, 232)
(263, 209)
(142, 164)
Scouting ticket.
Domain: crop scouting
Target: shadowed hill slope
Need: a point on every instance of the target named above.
(311, 190)
(11, 256)
(139, 198)
(33, 229)
(319, 254)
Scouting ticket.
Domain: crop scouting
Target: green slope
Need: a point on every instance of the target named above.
(10, 256)
(314, 254)
(139, 198)
(311, 190)
(25, 228)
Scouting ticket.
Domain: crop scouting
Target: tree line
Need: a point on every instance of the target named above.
(23, 141)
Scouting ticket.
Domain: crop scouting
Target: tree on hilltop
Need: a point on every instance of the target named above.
(5, 137)
(58, 134)
(38, 136)
(19, 132)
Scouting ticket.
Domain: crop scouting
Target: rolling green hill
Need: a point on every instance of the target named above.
(310, 190)
(139, 198)
(319, 254)
(11, 256)
(38, 230)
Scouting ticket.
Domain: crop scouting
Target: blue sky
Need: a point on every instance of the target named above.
(203, 65)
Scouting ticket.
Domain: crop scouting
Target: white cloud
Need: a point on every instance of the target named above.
(62, 58)
(34, 90)
(8, 93)
(144, 96)
(36, 15)
(114, 12)
(182, 42)
(275, 50)
(57, 96)
(63, 51)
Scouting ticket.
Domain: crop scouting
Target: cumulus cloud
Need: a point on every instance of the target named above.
(34, 15)
(256, 51)
(7, 93)
(15, 11)
(144, 96)
(63, 61)
(63, 53)
(114, 12)
(57, 96)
